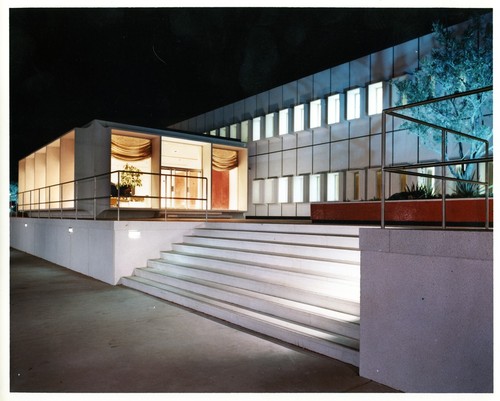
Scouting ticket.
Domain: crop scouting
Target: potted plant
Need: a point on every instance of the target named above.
(129, 179)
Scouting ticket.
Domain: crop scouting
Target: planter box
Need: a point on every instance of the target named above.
(425, 211)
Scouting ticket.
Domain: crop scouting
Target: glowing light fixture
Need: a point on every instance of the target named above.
(134, 234)
(70, 230)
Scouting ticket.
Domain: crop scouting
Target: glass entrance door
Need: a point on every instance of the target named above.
(181, 189)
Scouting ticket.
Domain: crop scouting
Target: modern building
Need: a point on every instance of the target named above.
(411, 308)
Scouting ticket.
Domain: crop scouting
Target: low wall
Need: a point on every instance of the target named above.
(427, 309)
(104, 250)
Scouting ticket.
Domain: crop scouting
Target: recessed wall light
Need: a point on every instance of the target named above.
(70, 230)
(134, 234)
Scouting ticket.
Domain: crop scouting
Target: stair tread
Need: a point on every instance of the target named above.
(342, 248)
(313, 309)
(285, 324)
(341, 261)
(323, 281)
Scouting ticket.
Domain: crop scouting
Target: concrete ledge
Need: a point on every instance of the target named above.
(427, 309)
(104, 250)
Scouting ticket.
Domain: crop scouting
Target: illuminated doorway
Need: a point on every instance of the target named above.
(182, 189)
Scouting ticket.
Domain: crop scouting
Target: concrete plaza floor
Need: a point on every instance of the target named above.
(72, 334)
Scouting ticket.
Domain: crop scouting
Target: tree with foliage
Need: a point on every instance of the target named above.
(458, 64)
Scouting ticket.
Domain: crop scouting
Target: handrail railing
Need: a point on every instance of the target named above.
(35, 202)
(444, 162)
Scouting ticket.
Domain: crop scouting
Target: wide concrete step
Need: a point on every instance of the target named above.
(317, 229)
(313, 251)
(311, 315)
(265, 273)
(326, 343)
(334, 295)
(348, 241)
(309, 265)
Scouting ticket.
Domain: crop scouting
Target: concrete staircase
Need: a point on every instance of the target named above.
(295, 282)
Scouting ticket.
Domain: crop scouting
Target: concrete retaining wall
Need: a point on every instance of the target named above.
(105, 250)
(427, 309)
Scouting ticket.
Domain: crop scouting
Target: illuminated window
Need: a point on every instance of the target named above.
(257, 191)
(223, 132)
(270, 125)
(356, 185)
(427, 182)
(298, 189)
(315, 110)
(375, 98)
(299, 118)
(333, 187)
(315, 188)
(283, 122)
(353, 104)
(233, 131)
(213, 132)
(256, 128)
(245, 126)
(378, 193)
(283, 196)
(270, 190)
(334, 109)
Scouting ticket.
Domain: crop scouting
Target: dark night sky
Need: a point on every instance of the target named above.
(154, 67)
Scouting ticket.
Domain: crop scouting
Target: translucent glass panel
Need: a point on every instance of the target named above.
(283, 122)
(258, 191)
(316, 113)
(299, 118)
(270, 190)
(245, 128)
(233, 131)
(213, 132)
(315, 188)
(283, 190)
(334, 109)
(353, 104)
(298, 189)
(375, 98)
(333, 187)
(269, 125)
(223, 132)
(256, 123)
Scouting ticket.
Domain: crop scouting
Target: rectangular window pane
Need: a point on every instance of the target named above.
(356, 185)
(257, 191)
(334, 109)
(315, 110)
(298, 118)
(298, 189)
(283, 122)
(223, 132)
(333, 187)
(270, 190)
(353, 104)
(256, 129)
(233, 131)
(213, 132)
(375, 98)
(283, 190)
(315, 188)
(245, 125)
(269, 125)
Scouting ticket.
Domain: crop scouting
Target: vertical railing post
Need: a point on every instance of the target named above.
(443, 181)
(76, 200)
(487, 189)
(95, 195)
(118, 200)
(382, 167)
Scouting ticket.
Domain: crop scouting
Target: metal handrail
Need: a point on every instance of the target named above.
(36, 204)
(404, 169)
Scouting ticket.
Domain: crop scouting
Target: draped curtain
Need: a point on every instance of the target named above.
(129, 148)
(224, 160)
